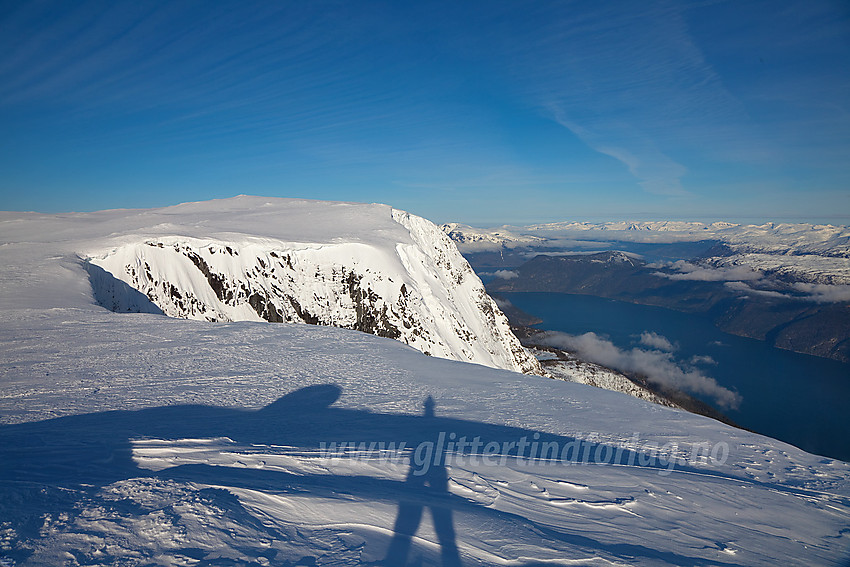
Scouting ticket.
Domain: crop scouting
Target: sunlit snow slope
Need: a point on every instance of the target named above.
(364, 267)
(140, 439)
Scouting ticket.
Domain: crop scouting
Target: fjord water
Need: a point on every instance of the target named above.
(796, 398)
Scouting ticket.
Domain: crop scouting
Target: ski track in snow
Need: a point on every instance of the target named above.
(135, 439)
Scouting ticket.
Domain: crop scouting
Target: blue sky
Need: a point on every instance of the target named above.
(480, 112)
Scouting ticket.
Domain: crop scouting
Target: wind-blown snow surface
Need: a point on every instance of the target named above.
(364, 267)
(138, 439)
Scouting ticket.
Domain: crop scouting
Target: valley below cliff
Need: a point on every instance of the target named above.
(781, 319)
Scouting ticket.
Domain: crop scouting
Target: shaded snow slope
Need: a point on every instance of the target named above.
(363, 267)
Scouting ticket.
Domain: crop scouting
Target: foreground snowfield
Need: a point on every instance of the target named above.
(136, 439)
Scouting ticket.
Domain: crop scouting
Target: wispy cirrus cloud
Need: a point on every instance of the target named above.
(656, 172)
(658, 107)
(631, 82)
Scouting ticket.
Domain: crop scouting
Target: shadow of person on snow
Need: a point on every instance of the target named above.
(90, 451)
(433, 481)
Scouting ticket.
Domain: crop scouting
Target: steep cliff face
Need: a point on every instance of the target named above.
(409, 283)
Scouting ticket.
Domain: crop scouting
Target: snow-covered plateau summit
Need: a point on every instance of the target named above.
(365, 267)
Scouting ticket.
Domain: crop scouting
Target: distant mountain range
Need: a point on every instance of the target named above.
(788, 284)
(793, 252)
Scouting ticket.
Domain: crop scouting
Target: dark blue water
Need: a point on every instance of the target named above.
(801, 399)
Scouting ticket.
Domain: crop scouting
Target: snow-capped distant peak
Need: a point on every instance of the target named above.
(474, 239)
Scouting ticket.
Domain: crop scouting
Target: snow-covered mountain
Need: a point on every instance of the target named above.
(470, 237)
(364, 267)
(139, 439)
(771, 237)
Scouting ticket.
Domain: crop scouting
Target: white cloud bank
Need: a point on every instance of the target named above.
(744, 288)
(824, 293)
(688, 271)
(505, 274)
(818, 293)
(702, 359)
(735, 278)
(656, 341)
(659, 367)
